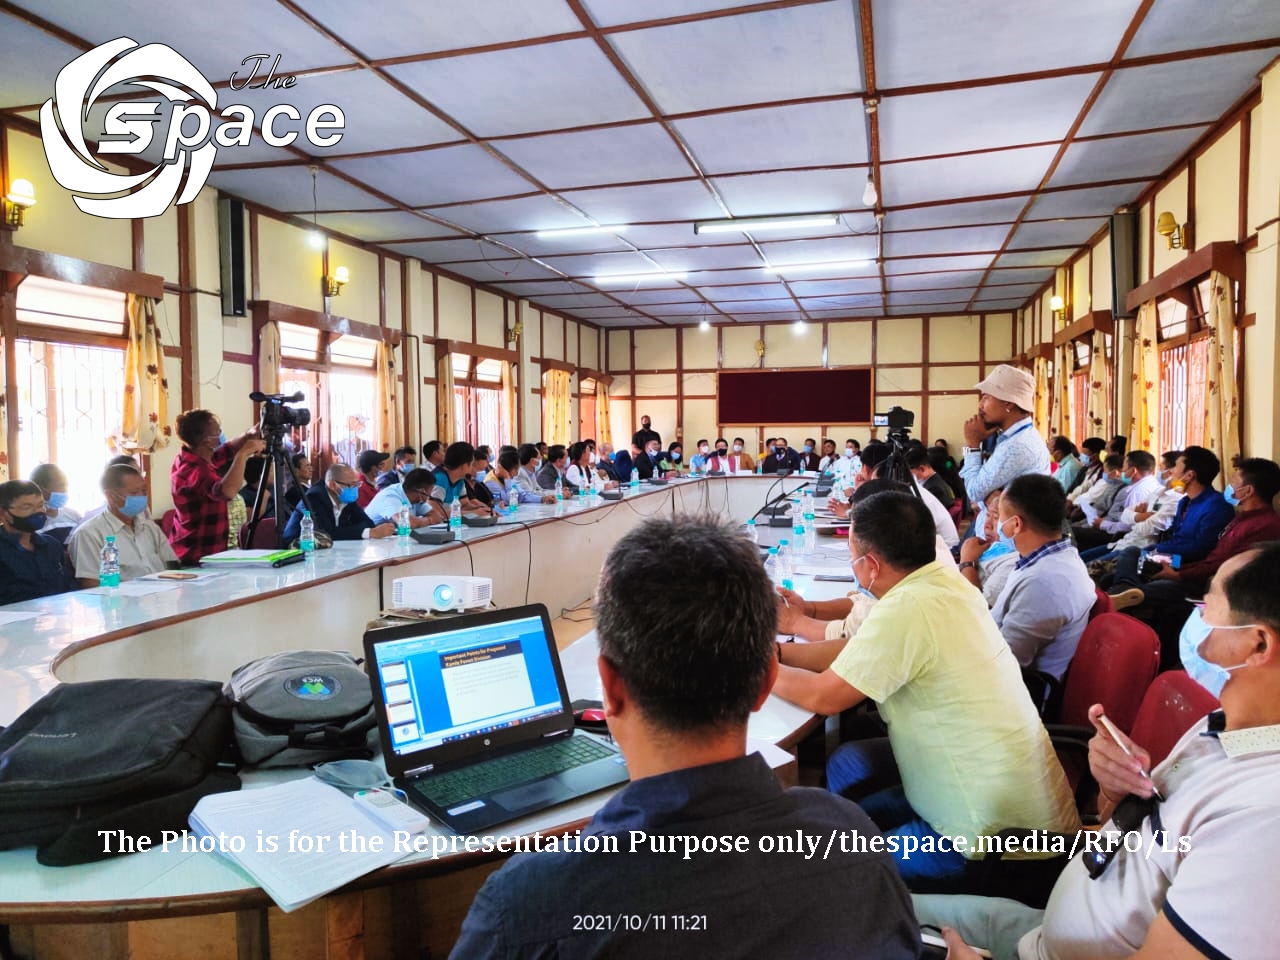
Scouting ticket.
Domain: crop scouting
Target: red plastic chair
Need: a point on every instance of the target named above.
(1172, 705)
(264, 538)
(1102, 605)
(1114, 664)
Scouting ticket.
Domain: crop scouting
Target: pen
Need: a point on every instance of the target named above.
(1119, 742)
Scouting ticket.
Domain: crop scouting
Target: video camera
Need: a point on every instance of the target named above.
(899, 423)
(276, 417)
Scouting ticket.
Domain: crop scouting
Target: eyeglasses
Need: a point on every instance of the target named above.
(1128, 818)
(346, 485)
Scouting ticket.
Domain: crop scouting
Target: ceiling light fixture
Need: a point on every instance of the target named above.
(799, 327)
(569, 232)
(333, 285)
(870, 196)
(756, 224)
(704, 326)
(781, 268)
(637, 277)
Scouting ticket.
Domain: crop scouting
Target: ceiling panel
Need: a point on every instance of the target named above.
(574, 301)
(1055, 233)
(1165, 28)
(931, 264)
(1163, 94)
(797, 135)
(1003, 210)
(525, 89)
(815, 191)
(859, 247)
(1089, 201)
(775, 55)
(647, 295)
(535, 290)
(746, 291)
(707, 258)
(987, 306)
(957, 240)
(915, 310)
(376, 227)
(1035, 258)
(31, 61)
(590, 157)
(923, 41)
(498, 270)
(738, 307)
(536, 246)
(1002, 115)
(527, 213)
(724, 278)
(445, 175)
(605, 264)
(1144, 156)
(973, 175)
(871, 310)
(930, 297)
(933, 281)
(855, 286)
(1036, 275)
(448, 251)
(610, 13)
(404, 27)
(682, 200)
(289, 189)
(1018, 291)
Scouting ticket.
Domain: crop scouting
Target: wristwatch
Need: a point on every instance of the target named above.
(968, 563)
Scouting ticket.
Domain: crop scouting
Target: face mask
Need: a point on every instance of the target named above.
(480, 475)
(1194, 633)
(1005, 539)
(535, 466)
(737, 448)
(722, 451)
(134, 505)
(592, 458)
(703, 449)
(353, 774)
(1178, 486)
(406, 467)
(998, 549)
(28, 524)
(222, 438)
(1115, 481)
(808, 448)
(780, 451)
(349, 494)
(59, 500)
(848, 453)
(1228, 495)
(1126, 480)
(675, 455)
(653, 454)
(865, 591)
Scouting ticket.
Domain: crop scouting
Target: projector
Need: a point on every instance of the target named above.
(441, 593)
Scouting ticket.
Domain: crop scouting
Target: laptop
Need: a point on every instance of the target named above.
(475, 719)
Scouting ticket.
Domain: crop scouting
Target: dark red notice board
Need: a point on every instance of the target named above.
(750, 397)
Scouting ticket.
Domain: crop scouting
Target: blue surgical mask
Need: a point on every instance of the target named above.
(1115, 481)
(59, 500)
(998, 549)
(406, 467)
(808, 448)
(222, 437)
(1228, 495)
(1194, 633)
(1126, 480)
(134, 505)
(675, 455)
(349, 494)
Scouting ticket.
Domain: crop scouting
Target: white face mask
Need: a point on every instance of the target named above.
(848, 453)
(737, 448)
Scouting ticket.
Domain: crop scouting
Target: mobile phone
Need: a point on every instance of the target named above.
(935, 948)
(834, 577)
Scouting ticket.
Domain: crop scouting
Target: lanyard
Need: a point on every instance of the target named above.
(1010, 436)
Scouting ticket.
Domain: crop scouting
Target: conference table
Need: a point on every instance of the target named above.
(129, 906)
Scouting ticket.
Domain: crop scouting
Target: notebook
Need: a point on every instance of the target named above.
(475, 718)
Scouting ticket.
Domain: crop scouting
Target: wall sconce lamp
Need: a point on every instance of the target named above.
(516, 330)
(20, 196)
(1177, 235)
(333, 285)
(1058, 306)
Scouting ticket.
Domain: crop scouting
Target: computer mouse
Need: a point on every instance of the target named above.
(591, 716)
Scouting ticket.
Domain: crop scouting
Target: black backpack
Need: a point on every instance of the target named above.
(130, 755)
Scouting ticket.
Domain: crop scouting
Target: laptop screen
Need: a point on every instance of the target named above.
(447, 686)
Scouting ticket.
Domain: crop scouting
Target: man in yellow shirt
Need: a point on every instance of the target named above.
(966, 754)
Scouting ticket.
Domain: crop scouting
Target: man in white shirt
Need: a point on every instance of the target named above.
(874, 456)
(142, 545)
(1005, 401)
(1190, 874)
(414, 492)
(1141, 487)
(53, 484)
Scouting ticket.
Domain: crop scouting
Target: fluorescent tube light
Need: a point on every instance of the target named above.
(756, 224)
(637, 277)
(781, 268)
(578, 232)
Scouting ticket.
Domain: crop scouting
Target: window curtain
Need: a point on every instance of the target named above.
(144, 426)
(1222, 405)
(1097, 416)
(4, 419)
(509, 401)
(1062, 417)
(1144, 424)
(555, 406)
(269, 358)
(604, 424)
(389, 429)
(1040, 369)
(446, 418)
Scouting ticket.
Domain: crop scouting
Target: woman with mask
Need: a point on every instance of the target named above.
(141, 543)
(32, 564)
(672, 464)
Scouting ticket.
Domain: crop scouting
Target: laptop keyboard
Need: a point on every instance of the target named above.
(491, 776)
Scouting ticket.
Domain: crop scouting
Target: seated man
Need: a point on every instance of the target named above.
(700, 457)
(722, 461)
(830, 459)
(1096, 501)
(1067, 457)
(1183, 895)
(949, 689)
(1151, 520)
(927, 477)
(53, 484)
(432, 454)
(504, 485)
(809, 458)
(334, 509)
(301, 464)
(450, 485)
(781, 457)
(1141, 487)
(527, 475)
(987, 559)
(875, 460)
(474, 478)
(1045, 604)
(414, 492)
(554, 469)
(31, 563)
(142, 545)
(677, 703)
(645, 461)
(369, 464)
(402, 461)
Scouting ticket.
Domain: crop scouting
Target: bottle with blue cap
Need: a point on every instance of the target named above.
(771, 565)
(455, 516)
(109, 564)
(786, 565)
(307, 535)
(753, 532)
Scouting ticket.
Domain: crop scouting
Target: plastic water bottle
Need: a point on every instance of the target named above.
(402, 523)
(109, 564)
(786, 568)
(513, 501)
(753, 534)
(635, 478)
(455, 516)
(760, 469)
(559, 490)
(798, 533)
(810, 532)
(771, 565)
(806, 503)
(307, 535)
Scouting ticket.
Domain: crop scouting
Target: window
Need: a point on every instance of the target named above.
(1184, 364)
(70, 363)
(1081, 385)
(340, 390)
(479, 403)
(587, 409)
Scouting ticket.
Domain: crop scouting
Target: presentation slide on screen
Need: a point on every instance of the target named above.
(486, 681)
(394, 672)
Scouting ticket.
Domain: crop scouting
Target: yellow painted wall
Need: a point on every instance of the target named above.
(289, 268)
(739, 346)
(899, 340)
(455, 311)
(359, 298)
(1101, 292)
(849, 343)
(1217, 200)
(1081, 296)
(792, 345)
(489, 319)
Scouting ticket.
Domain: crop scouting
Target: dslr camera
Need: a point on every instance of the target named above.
(276, 416)
(898, 421)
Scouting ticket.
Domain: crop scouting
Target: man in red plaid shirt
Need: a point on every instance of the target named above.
(205, 476)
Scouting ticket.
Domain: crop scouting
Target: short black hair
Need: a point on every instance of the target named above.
(460, 454)
(555, 452)
(14, 489)
(193, 425)
(898, 527)
(1169, 458)
(46, 475)
(509, 460)
(405, 452)
(1204, 463)
(856, 444)
(1141, 460)
(738, 440)
(431, 448)
(123, 459)
(1118, 444)
(638, 439)
(708, 673)
(675, 445)
(700, 443)
(576, 451)
(527, 453)
(917, 458)
(1039, 500)
(869, 488)
(417, 480)
(297, 460)
(1064, 446)
(1094, 445)
(1114, 461)
(720, 440)
(114, 476)
(484, 452)
(810, 440)
(874, 454)
(769, 441)
(254, 467)
(1253, 591)
(1261, 474)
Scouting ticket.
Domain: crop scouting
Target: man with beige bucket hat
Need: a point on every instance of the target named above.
(1005, 401)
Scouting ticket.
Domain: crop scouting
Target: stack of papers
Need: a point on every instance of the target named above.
(250, 558)
(297, 840)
